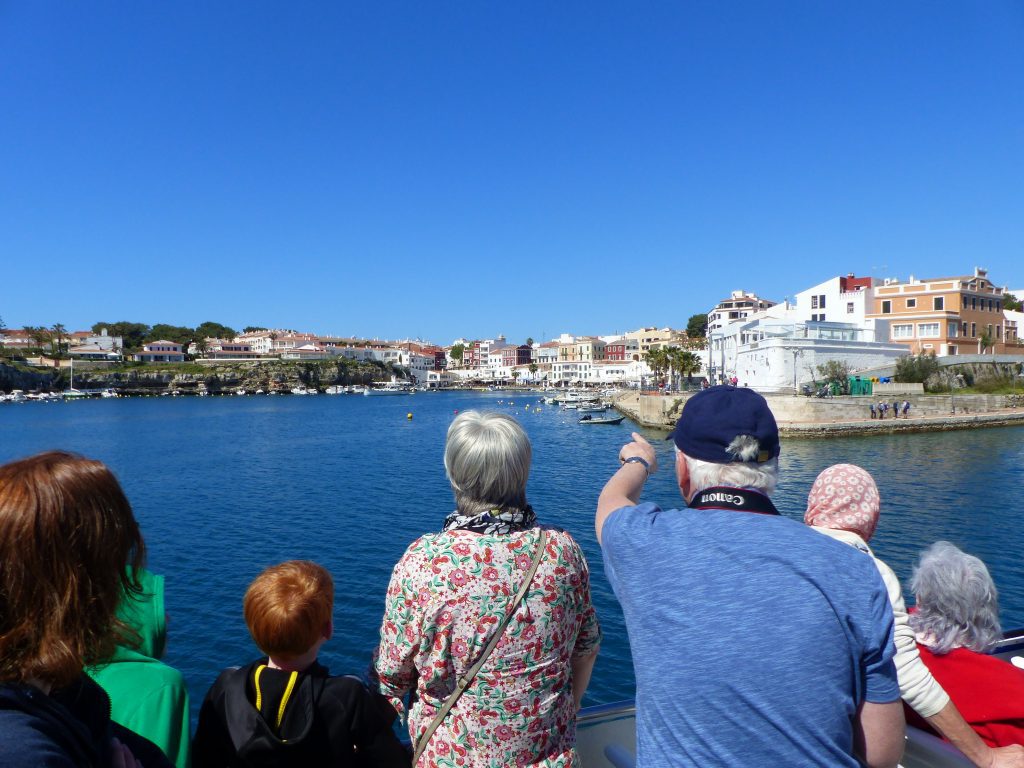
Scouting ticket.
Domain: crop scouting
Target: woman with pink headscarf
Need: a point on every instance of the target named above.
(844, 504)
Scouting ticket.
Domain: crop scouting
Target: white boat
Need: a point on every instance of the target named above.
(606, 734)
(302, 391)
(335, 389)
(592, 407)
(239, 392)
(17, 396)
(109, 393)
(389, 388)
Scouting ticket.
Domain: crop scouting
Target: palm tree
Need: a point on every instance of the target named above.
(57, 339)
(657, 361)
(984, 342)
(38, 334)
(686, 363)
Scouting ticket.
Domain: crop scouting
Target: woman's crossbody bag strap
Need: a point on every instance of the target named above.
(467, 678)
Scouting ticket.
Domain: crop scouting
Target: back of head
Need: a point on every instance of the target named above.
(729, 437)
(957, 601)
(67, 538)
(844, 497)
(288, 608)
(487, 458)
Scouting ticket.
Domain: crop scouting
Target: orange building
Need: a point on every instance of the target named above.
(946, 315)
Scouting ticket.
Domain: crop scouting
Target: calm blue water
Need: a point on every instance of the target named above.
(226, 486)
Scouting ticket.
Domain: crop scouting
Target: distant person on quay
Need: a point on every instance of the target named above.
(286, 709)
(844, 504)
(956, 624)
(755, 640)
(146, 695)
(495, 605)
(69, 546)
(906, 409)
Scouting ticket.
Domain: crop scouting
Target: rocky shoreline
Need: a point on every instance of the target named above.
(193, 379)
(846, 416)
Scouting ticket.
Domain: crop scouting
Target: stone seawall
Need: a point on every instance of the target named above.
(828, 417)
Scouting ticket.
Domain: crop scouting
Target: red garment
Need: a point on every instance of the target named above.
(989, 693)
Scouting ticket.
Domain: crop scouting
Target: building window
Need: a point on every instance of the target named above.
(974, 302)
(814, 302)
(952, 349)
(938, 303)
(928, 330)
(821, 301)
(849, 307)
(903, 331)
(965, 301)
(999, 331)
(911, 303)
(974, 330)
(887, 307)
(999, 306)
(952, 329)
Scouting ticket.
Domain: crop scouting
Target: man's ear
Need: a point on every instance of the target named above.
(683, 475)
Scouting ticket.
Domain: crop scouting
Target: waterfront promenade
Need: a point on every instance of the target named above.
(800, 416)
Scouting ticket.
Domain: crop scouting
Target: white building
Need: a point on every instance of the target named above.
(846, 299)
(778, 354)
(739, 306)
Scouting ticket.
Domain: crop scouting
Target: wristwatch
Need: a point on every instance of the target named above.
(641, 461)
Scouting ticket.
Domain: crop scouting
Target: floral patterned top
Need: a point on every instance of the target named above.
(447, 594)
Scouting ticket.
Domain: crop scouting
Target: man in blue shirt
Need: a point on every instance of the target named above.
(755, 641)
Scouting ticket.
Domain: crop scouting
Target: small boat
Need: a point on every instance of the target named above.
(334, 389)
(591, 408)
(389, 388)
(588, 419)
(109, 393)
(302, 391)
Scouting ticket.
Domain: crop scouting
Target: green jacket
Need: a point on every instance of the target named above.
(147, 696)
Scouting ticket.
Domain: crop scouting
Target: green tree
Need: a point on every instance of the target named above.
(1011, 302)
(697, 326)
(251, 328)
(211, 330)
(457, 352)
(201, 346)
(179, 334)
(533, 370)
(657, 361)
(515, 376)
(984, 341)
(132, 334)
(529, 341)
(835, 372)
(915, 369)
(57, 344)
(687, 363)
(39, 335)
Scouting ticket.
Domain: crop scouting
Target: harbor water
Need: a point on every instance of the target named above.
(224, 486)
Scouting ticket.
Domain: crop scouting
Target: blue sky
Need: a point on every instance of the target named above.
(471, 168)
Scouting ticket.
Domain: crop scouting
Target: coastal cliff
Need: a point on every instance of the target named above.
(195, 378)
(16, 376)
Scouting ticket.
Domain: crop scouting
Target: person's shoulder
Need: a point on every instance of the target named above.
(30, 734)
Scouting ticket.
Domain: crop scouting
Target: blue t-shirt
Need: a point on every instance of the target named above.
(754, 638)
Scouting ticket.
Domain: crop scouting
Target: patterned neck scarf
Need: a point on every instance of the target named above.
(500, 521)
(845, 497)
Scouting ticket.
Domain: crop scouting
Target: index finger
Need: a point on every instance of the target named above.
(637, 437)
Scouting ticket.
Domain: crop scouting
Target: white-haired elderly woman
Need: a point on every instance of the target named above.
(451, 591)
(957, 623)
(844, 504)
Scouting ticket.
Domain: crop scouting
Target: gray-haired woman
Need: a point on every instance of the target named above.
(449, 596)
(956, 624)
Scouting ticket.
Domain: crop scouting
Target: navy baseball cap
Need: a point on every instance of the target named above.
(714, 417)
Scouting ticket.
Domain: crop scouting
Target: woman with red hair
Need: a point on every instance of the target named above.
(67, 538)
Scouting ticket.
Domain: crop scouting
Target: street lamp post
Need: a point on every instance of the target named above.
(796, 353)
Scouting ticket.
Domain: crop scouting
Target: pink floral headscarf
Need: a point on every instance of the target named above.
(844, 496)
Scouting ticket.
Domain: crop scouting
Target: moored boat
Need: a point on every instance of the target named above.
(588, 419)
